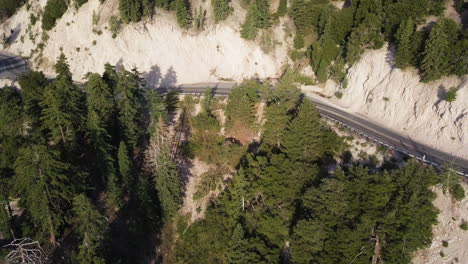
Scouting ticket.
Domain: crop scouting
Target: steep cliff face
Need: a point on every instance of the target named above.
(451, 215)
(157, 47)
(398, 100)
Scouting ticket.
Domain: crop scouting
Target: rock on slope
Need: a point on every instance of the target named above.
(450, 217)
(396, 99)
(158, 47)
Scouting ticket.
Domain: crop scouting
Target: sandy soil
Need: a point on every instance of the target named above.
(396, 99)
(450, 217)
(157, 47)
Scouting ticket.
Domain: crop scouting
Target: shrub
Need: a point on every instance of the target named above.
(94, 42)
(54, 10)
(33, 19)
(339, 95)
(298, 41)
(457, 192)
(221, 9)
(79, 3)
(444, 243)
(386, 99)
(115, 26)
(464, 225)
(451, 95)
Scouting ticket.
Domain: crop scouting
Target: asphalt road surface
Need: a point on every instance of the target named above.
(375, 132)
(12, 67)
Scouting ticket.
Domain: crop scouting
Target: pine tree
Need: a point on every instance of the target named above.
(32, 90)
(100, 99)
(129, 107)
(44, 186)
(62, 107)
(114, 191)
(62, 68)
(248, 29)
(183, 13)
(91, 228)
(125, 167)
(261, 10)
(282, 8)
(237, 247)
(434, 64)
(148, 8)
(167, 182)
(221, 9)
(404, 56)
(307, 137)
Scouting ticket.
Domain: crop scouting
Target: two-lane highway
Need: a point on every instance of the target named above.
(12, 67)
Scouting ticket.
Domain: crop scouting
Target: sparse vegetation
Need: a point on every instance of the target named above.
(115, 25)
(451, 95)
(53, 11)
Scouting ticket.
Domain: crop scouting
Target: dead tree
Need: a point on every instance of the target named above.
(25, 251)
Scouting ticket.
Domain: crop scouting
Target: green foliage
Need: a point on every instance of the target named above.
(130, 10)
(115, 25)
(63, 107)
(8, 8)
(298, 42)
(125, 167)
(53, 11)
(129, 94)
(199, 18)
(451, 183)
(11, 112)
(282, 8)
(464, 225)
(451, 95)
(434, 63)
(258, 17)
(280, 102)
(91, 228)
(183, 13)
(307, 137)
(79, 3)
(240, 107)
(221, 9)
(45, 189)
(167, 182)
(404, 55)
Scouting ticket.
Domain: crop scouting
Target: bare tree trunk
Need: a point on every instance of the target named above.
(52, 239)
(377, 257)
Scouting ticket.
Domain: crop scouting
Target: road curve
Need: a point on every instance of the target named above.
(12, 67)
(375, 132)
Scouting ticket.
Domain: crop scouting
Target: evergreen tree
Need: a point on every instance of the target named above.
(114, 191)
(125, 168)
(167, 183)
(91, 228)
(248, 29)
(129, 107)
(148, 8)
(238, 247)
(221, 9)
(62, 107)
(183, 13)
(282, 8)
(307, 138)
(280, 102)
(240, 107)
(434, 64)
(404, 56)
(53, 10)
(100, 100)
(261, 10)
(44, 187)
(32, 90)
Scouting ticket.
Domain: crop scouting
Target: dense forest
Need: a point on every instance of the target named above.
(91, 174)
